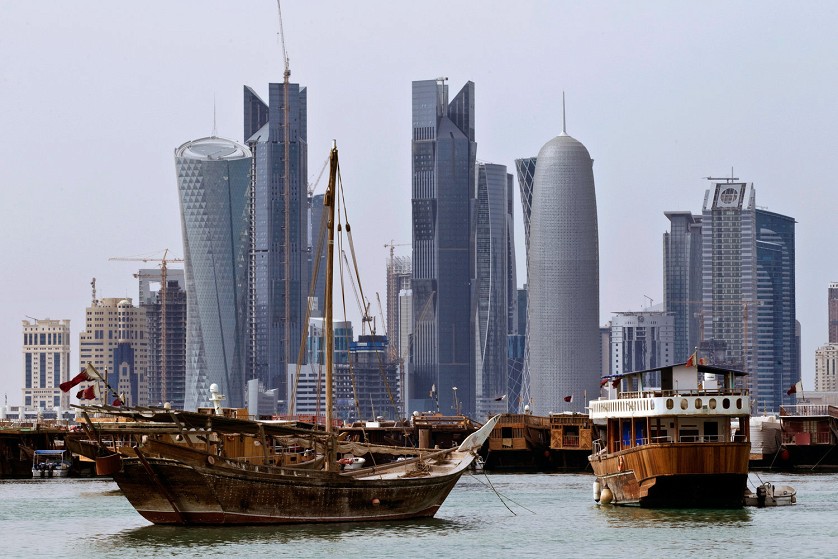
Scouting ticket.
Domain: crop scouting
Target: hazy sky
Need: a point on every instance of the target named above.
(96, 95)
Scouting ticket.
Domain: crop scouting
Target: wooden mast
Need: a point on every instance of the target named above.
(328, 333)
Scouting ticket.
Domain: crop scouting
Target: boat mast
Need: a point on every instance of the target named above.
(329, 203)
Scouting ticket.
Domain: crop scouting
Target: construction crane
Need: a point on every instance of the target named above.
(313, 185)
(286, 130)
(163, 286)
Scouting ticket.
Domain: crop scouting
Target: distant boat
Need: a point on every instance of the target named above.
(666, 438)
(51, 463)
(179, 471)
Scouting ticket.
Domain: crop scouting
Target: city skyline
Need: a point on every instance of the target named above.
(746, 87)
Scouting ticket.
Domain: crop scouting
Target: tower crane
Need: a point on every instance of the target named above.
(163, 287)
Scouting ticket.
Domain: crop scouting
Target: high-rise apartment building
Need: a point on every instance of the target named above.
(46, 363)
(214, 178)
(276, 133)
(748, 295)
(166, 334)
(563, 336)
(826, 368)
(641, 340)
(443, 198)
(494, 301)
(115, 341)
(682, 281)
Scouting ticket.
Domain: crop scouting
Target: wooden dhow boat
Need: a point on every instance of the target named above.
(676, 436)
(179, 482)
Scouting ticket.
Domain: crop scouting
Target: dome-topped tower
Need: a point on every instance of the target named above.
(563, 342)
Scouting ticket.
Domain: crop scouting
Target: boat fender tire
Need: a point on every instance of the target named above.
(211, 460)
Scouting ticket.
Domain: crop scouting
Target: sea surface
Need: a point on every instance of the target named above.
(486, 516)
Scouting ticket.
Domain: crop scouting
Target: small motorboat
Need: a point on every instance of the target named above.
(51, 463)
(770, 495)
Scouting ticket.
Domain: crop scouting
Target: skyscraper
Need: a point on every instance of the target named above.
(748, 296)
(492, 305)
(682, 281)
(526, 175)
(115, 341)
(167, 337)
(641, 340)
(563, 339)
(214, 176)
(276, 133)
(46, 362)
(444, 152)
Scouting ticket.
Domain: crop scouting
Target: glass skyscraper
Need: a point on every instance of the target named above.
(494, 301)
(214, 178)
(682, 281)
(748, 303)
(443, 185)
(277, 301)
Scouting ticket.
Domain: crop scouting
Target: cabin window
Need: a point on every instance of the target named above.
(669, 404)
(698, 403)
(626, 433)
(739, 403)
(570, 436)
(726, 403)
(684, 403)
(640, 432)
(712, 403)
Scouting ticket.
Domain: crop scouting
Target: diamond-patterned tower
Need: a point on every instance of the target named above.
(213, 181)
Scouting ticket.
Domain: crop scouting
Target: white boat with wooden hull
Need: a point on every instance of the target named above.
(667, 437)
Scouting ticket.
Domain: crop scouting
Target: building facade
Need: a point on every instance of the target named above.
(115, 341)
(526, 177)
(563, 339)
(748, 291)
(641, 341)
(826, 368)
(166, 334)
(276, 133)
(46, 363)
(214, 178)
(492, 306)
(443, 205)
(832, 309)
(682, 281)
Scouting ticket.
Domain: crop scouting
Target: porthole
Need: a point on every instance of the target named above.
(698, 403)
(684, 404)
(712, 403)
(726, 403)
(669, 404)
(739, 403)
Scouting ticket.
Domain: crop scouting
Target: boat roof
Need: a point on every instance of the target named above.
(50, 452)
(702, 368)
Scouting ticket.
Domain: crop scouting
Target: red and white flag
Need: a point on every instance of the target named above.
(568, 398)
(79, 378)
(88, 393)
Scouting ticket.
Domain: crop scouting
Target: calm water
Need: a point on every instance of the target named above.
(547, 515)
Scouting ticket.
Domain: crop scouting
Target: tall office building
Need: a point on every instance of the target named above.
(115, 341)
(641, 340)
(166, 334)
(682, 281)
(46, 362)
(748, 296)
(399, 272)
(317, 262)
(279, 255)
(832, 309)
(443, 184)
(563, 336)
(526, 176)
(214, 177)
(492, 304)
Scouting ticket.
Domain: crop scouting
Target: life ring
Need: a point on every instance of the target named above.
(621, 463)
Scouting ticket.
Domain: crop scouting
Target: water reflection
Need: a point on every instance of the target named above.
(178, 537)
(636, 517)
